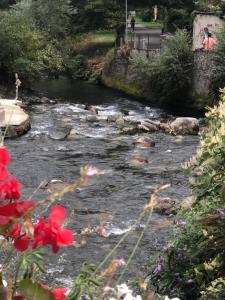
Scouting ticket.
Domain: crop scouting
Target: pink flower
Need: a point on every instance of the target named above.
(120, 262)
(102, 231)
(91, 171)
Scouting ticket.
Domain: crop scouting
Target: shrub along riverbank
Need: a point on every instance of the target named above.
(194, 267)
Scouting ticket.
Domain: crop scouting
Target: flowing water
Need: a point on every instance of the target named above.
(114, 199)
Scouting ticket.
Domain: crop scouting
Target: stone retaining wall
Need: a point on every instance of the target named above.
(118, 74)
(203, 69)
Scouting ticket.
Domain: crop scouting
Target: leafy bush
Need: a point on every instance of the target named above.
(168, 76)
(77, 67)
(146, 15)
(195, 265)
(179, 18)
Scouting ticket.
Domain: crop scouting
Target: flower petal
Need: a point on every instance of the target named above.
(4, 156)
(57, 214)
(22, 243)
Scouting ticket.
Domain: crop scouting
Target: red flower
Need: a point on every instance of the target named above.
(57, 214)
(9, 186)
(3, 174)
(52, 233)
(22, 243)
(59, 294)
(16, 209)
(4, 156)
(39, 232)
(15, 231)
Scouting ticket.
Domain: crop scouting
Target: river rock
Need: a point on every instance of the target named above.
(188, 202)
(92, 118)
(138, 161)
(132, 130)
(74, 134)
(145, 142)
(59, 134)
(92, 109)
(185, 126)
(120, 122)
(143, 128)
(152, 126)
(14, 119)
(114, 117)
(165, 206)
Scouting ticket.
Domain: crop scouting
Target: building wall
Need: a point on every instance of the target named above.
(213, 22)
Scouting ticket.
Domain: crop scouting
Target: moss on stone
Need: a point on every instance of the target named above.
(132, 89)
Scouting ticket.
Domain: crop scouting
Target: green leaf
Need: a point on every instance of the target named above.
(34, 291)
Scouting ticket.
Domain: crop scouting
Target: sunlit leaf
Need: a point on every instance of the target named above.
(34, 291)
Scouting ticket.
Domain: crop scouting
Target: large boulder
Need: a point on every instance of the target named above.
(185, 126)
(13, 119)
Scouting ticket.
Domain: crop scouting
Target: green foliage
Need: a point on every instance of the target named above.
(84, 283)
(53, 16)
(146, 15)
(30, 50)
(196, 264)
(168, 76)
(179, 18)
(77, 67)
(218, 77)
(97, 14)
(34, 291)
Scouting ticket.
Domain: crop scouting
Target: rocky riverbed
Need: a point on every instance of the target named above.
(69, 134)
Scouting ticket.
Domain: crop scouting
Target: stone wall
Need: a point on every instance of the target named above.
(203, 69)
(118, 74)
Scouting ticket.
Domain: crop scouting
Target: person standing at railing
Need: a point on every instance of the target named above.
(209, 42)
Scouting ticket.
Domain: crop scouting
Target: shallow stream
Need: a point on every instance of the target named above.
(114, 199)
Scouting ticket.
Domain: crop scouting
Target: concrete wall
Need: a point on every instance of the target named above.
(213, 22)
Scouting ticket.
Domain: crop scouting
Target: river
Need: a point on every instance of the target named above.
(114, 199)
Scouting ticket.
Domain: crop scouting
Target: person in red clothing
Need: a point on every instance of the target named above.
(209, 42)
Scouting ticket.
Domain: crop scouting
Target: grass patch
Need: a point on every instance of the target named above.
(94, 43)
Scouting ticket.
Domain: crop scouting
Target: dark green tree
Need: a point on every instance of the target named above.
(53, 16)
(97, 14)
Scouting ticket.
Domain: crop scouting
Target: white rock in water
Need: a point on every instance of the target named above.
(92, 118)
(185, 126)
(15, 119)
